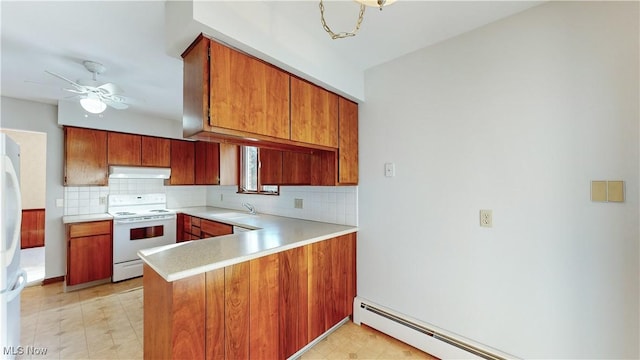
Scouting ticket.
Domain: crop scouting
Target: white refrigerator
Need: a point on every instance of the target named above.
(12, 277)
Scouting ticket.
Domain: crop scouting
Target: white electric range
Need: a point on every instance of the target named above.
(139, 222)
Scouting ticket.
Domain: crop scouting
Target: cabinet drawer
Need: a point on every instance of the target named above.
(195, 221)
(195, 231)
(215, 228)
(90, 228)
(186, 225)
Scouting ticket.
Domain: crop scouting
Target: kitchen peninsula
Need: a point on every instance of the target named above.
(260, 294)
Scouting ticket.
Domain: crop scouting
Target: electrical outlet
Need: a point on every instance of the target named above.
(486, 218)
(389, 169)
(103, 200)
(297, 203)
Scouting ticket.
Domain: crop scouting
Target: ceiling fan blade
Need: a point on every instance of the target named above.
(75, 84)
(115, 104)
(74, 91)
(111, 88)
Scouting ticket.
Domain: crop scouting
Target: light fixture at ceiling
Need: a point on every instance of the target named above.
(376, 3)
(363, 5)
(93, 104)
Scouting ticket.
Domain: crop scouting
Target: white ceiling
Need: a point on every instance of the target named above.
(128, 37)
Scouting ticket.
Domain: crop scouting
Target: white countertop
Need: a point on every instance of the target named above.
(70, 219)
(273, 234)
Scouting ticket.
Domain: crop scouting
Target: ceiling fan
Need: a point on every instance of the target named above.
(94, 97)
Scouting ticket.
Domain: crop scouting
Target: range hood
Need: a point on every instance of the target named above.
(134, 172)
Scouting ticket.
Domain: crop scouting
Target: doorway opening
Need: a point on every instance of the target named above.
(33, 165)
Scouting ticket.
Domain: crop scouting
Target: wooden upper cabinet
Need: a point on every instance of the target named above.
(296, 168)
(247, 94)
(270, 166)
(230, 97)
(138, 150)
(155, 151)
(182, 162)
(207, 163)
(85, 157)
(229, 156)
(284, 167)
(123, 149)
(195, 86)
(314, 114)
(348, 142)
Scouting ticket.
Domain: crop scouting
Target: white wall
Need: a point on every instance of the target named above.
(33, 116)
(518, 117)
(33, 166)
(70, 113)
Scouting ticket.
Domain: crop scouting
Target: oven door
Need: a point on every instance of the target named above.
(131, 236)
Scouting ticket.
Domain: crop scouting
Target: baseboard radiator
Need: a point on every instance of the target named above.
(422, 336)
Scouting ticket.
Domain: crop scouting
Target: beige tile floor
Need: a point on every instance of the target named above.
(105, 322)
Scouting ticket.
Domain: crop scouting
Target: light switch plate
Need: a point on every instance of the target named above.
(615, 191)
(599, 191)
(297, 203)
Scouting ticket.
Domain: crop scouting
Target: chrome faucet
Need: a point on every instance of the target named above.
(251, 208)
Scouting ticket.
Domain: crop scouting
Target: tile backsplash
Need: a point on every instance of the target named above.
(82, 200)
(135, 186)
(334, 204)
(321, 203)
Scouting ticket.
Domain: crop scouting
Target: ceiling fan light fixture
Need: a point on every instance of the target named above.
(377, 3)
(93, 105)
(363, 4)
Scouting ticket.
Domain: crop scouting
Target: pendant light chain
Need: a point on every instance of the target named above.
(343, 34)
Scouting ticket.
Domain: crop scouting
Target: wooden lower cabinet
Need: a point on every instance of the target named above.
(174, 317)
(89, 252)
(294, 296)
(215, 330)
(213, 228)
(265, 308)
(194, 228)
(331, 288)
(264, 296)
(236, 311)
(32, 228)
